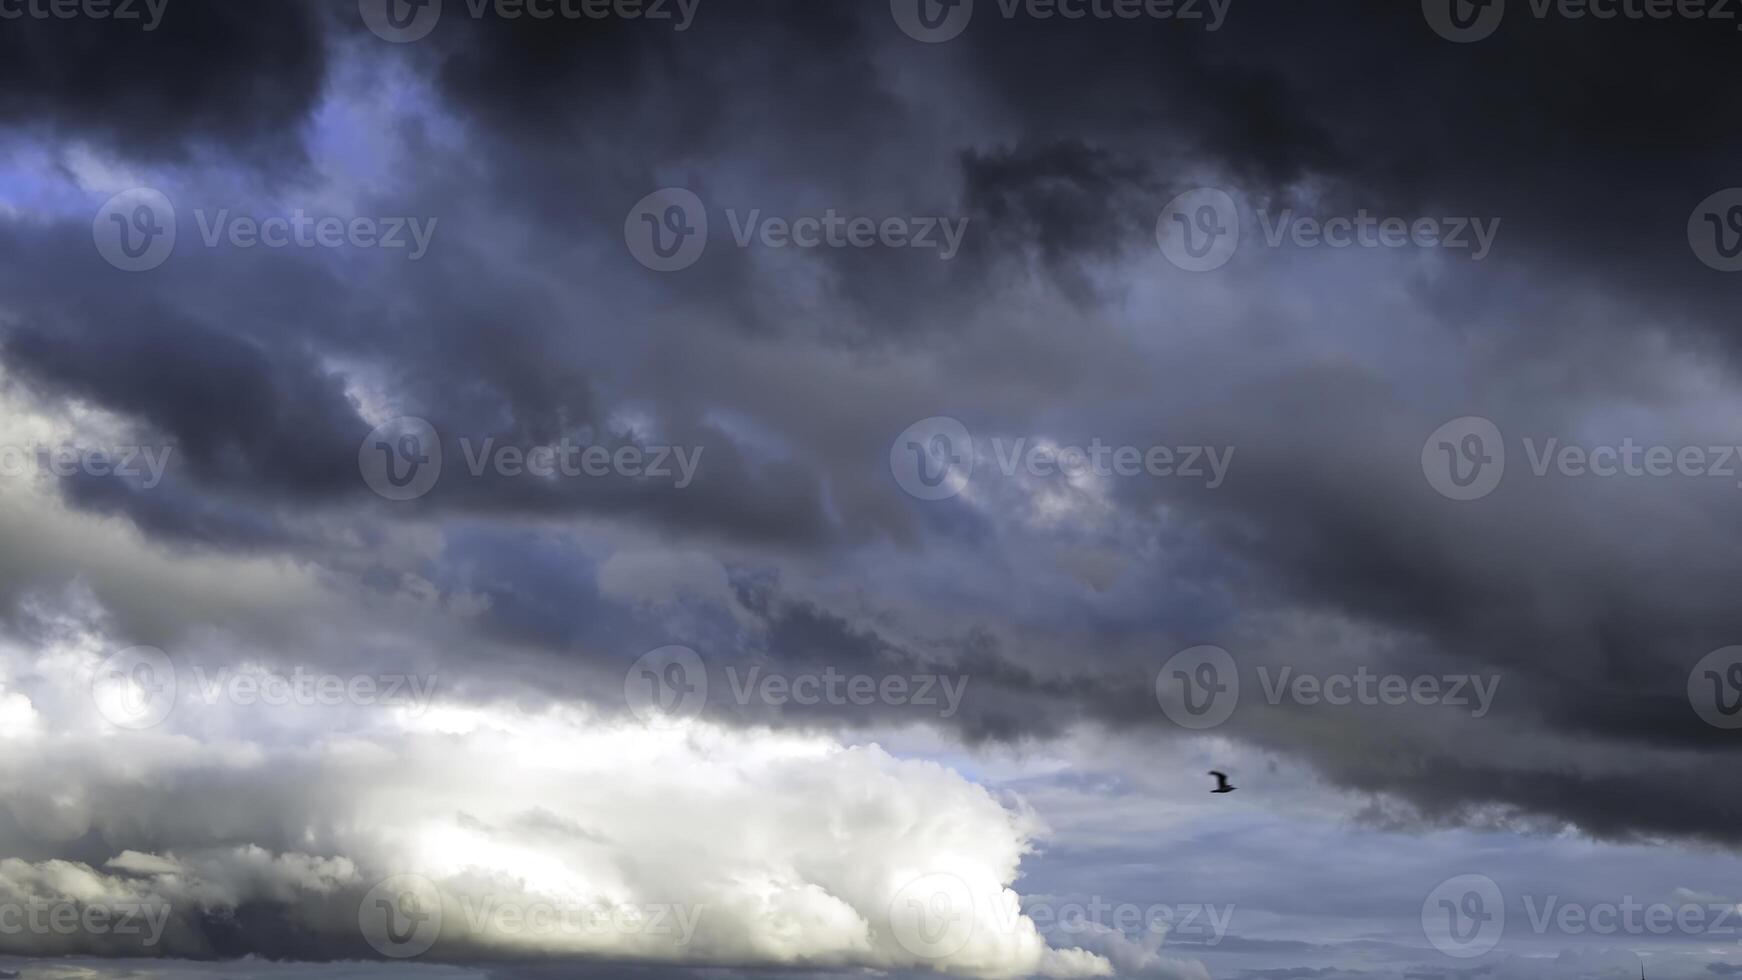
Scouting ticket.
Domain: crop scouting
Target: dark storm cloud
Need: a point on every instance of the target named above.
(520, 75)
(241, 392)
(1073, 203)
(1592, 138)
(1593, 635)
(968, 683)
(189, 516)
(1536, 126)
(237, 411)
(1592, 167)
(235, 78)
(1592, 141)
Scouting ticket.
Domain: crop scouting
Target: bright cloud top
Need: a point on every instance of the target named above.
(464, 831)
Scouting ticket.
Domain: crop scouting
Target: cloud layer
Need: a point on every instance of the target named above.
(1294, 390)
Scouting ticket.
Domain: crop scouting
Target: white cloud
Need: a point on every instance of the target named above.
(559, 832)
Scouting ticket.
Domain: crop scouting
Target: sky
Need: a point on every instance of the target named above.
(717, 489)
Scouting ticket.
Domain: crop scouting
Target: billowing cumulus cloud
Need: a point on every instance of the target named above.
(524, 835)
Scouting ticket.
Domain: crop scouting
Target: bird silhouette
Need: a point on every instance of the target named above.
(1221, 783)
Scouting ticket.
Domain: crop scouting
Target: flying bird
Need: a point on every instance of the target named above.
(1221, 782)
